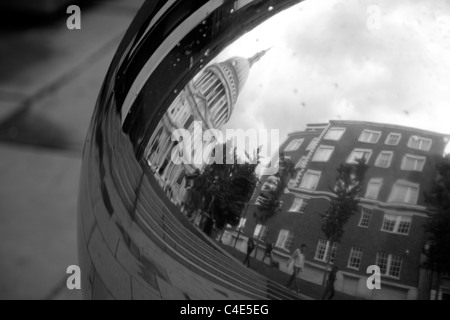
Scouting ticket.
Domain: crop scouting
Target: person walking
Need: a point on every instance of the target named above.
(268, 253)
(250, 248)
(298, 260)
(329, 289)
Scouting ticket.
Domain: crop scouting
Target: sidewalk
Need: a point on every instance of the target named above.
(50, 78)
(308, 290)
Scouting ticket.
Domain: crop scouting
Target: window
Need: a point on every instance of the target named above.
(322, 251)
(366, 214)
(404, 192)
(359, 154)
(384, 159)
(299, 205)
(393, 139)
(369, 136)
(396, 224)
(419, 143)
(390, 265)
(188, 122)
(310, 180)
(271, 184)
(285, 239)
(373, 188)
(312, 144)
(241, 224)
(294, 145)
(413, 163)
(323, 154)
(334, 134)
(262, 200)
(354, 260)
(260, 232)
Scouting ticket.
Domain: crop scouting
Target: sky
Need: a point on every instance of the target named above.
(379, 60)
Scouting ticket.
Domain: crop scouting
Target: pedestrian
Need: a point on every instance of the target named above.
(250, 248)
(298, 260)
(329, 289)
(268, 253)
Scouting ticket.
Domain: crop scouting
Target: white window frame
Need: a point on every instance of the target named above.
(370, 133)
(258, 229)
(398, 220)
(420, 165)
(312, 144)
(312, 172)
(320, 148)
(364, 213)
(369, 151)
(379, 159)
(294, 145)
(285, 239)
(341, 130)
(301, 206)
(390, 258)
(374, 181)
(258, 201)
(355, 255)
(422, 139)
(322, 243)
(405, 183)
(393, 134)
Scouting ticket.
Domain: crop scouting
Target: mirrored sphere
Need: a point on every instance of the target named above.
(262, 149)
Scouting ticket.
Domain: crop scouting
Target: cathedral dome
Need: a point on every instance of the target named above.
(236, 72)
(233, 74)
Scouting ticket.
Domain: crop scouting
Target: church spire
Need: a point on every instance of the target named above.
(257, 56)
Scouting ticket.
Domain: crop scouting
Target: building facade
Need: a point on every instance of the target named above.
(387, 230)
(208, 100)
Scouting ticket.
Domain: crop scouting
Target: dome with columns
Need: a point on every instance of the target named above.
(233, 73)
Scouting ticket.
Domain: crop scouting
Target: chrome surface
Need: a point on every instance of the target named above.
(222, 121)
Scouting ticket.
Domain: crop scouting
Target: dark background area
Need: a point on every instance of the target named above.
(50, 78)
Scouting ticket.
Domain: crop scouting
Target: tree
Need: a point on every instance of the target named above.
(438, 225)
(349, 183)
(225, 188)
(270, 201)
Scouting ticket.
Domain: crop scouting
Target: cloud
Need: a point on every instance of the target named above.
(326, 63)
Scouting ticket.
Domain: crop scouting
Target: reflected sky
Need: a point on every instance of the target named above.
(379, 61)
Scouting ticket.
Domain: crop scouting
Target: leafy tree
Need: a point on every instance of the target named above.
(349, 184)
(438, 225)
(226, 188)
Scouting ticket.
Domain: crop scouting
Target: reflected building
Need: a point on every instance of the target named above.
(208, 99)
(387, 231)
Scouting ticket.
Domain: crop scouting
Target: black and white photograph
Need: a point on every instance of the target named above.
(232, 150)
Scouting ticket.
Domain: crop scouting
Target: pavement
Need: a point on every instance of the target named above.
(307, 290)
(50, 78)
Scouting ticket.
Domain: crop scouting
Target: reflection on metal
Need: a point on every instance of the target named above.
(152, 228)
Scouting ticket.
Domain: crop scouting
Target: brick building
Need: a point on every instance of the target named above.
(386, 231)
